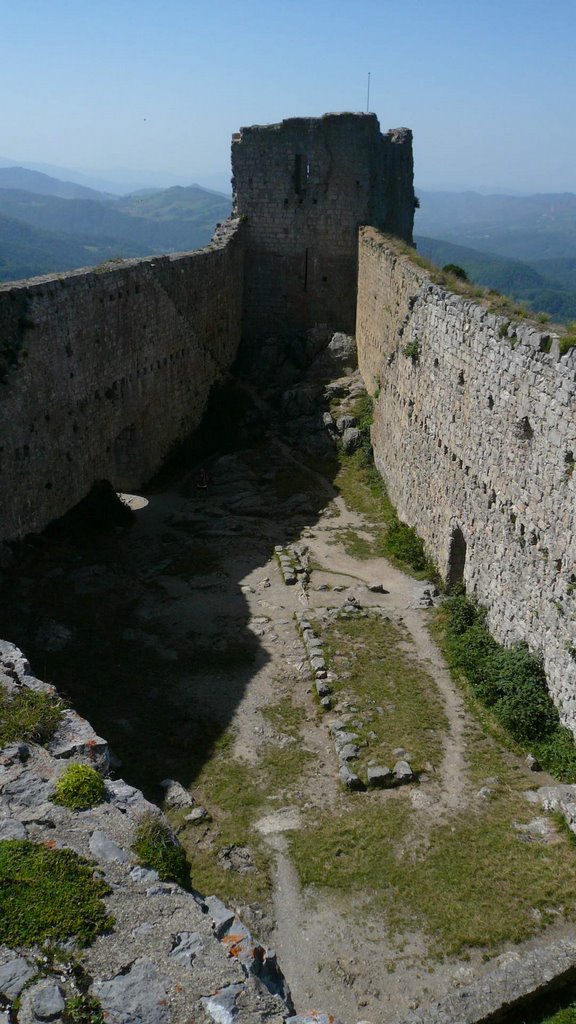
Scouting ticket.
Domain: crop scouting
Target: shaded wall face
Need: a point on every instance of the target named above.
(304, 188)
(111, 368)
(475, 436)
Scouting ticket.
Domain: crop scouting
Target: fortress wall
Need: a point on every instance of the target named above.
(304, 187)
(476, 440)
(110, 367)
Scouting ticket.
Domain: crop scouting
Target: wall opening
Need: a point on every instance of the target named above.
(523, 429)
(301, 173)
(456, 559)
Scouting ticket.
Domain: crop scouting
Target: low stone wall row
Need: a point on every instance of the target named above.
(475, 435)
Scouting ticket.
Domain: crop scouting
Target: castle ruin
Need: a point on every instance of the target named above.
(102, 370)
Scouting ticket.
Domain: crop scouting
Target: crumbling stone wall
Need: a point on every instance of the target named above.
(475, 435)
(102, 370)
(304, 187)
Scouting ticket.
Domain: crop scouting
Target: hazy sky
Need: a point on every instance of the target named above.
(487, 86)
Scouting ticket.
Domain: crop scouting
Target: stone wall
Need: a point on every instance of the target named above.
(475, 435)
(102, 370)
(304, 187)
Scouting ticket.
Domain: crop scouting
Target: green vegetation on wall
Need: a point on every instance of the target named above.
(365, 491)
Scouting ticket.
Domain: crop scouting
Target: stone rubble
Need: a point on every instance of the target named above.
(170, 952)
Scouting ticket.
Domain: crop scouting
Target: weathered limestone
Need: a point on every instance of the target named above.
(475, 435)
(140, 970)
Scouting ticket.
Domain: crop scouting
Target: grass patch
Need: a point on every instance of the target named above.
(442, 878)
(232, 656)
(28, 716)
(382, 675)
(493, 300)
(353, 852)
(481, 855)
(510, 682)
(285, 716)
(48, 895)
(83, 1009)
(156, 847)
(557, 1007)
(194, 560)
(283, 766)
(235, 794)
(364, 491)
(284, 477)
(567, 341)
(448, 885)
(79, 787)
(353, 544)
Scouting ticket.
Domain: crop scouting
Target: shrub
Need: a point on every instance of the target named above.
(79, 788)
(28, 716)
(511, 682)
(412, 351)
(462, 615)
(48, 894)
(459, 272)
(403, 542)
(522, 701)
(567, 342)
(557, 753)
(364, 413)
(156, 847)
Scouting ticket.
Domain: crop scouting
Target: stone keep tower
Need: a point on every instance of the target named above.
(304, 187)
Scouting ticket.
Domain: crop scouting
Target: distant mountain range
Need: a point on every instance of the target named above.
(48, 225)
(521, 227)
(523, 246)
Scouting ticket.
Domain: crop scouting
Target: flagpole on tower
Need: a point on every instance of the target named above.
(368, 95)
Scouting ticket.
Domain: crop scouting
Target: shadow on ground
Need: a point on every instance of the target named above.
(144, 626)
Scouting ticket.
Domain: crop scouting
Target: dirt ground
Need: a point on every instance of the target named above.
(179, 630)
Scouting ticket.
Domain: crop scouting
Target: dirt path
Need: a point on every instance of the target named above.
(330, 955)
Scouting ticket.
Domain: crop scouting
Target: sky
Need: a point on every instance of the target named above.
(157, 88)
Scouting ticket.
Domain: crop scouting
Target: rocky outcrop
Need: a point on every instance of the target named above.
(170, 953)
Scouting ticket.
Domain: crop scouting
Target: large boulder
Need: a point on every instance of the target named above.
(338, 358)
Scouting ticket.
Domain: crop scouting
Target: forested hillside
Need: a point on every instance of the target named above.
(523, 246)
(52, 226)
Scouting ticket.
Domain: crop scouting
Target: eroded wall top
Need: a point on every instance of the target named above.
(102, 370)
(475, 434)
(304, 187)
